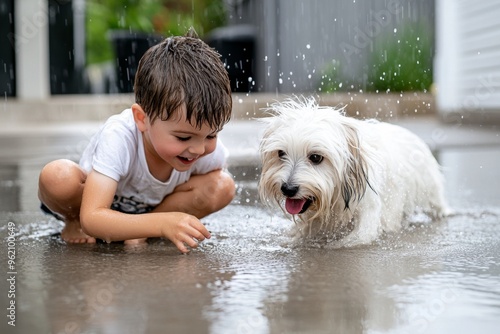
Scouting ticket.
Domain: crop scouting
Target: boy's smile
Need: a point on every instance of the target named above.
(174, 143)
(187, 161)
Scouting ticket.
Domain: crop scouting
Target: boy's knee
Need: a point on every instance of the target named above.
(60, 179)
(226, 189)
(218, 192)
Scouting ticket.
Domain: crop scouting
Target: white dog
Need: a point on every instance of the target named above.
(347, 180)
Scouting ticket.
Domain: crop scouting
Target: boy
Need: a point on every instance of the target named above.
(155, 169)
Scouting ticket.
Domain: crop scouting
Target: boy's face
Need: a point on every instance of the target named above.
(177, 142)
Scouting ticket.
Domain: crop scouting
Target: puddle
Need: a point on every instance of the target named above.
(440, 277)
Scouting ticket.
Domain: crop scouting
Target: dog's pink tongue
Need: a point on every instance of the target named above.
(294, 206)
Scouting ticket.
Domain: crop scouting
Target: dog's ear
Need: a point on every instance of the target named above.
(356, 176)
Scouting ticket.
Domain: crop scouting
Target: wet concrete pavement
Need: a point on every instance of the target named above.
(434, 277)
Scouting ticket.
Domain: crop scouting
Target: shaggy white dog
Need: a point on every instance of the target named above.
(347, 180)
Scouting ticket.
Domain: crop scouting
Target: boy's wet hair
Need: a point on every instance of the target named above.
(184, 70)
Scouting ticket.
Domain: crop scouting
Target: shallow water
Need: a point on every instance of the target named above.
(439, 277)
(443, 277)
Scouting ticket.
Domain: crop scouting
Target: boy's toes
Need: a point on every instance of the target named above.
(88, 240)
(73, 234)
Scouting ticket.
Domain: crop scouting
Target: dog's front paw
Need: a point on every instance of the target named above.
(352, 240)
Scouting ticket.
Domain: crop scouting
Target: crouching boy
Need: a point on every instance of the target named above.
(157, 168)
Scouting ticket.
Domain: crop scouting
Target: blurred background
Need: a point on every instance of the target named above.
(447, 52)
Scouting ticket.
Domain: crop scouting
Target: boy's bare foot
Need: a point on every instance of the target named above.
(72, 233)
(135, 241)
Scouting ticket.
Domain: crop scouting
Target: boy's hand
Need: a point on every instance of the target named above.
(183, 229)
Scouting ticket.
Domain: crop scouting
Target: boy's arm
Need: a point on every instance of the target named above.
(98, 220)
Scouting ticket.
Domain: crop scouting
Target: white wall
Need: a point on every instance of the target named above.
(467, 63)
(32, 49)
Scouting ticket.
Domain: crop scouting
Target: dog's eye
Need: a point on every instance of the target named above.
(316, 158)
(281, 154)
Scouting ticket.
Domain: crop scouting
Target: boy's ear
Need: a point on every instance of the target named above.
(140, 117)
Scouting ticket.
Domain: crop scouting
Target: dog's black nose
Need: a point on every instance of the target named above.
(288, 190)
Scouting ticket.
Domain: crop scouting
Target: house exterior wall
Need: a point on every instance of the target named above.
(468, 57)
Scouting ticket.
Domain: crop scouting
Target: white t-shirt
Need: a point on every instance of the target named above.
(117, 151)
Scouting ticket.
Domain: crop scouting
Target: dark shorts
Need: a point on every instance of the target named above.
(129, 205)
(121, 204)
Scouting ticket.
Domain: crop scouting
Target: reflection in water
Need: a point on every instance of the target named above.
(9, 188)
(472, 176)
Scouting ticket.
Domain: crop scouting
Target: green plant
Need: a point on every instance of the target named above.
(164, 17)
(331, 79)
(402, 61)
